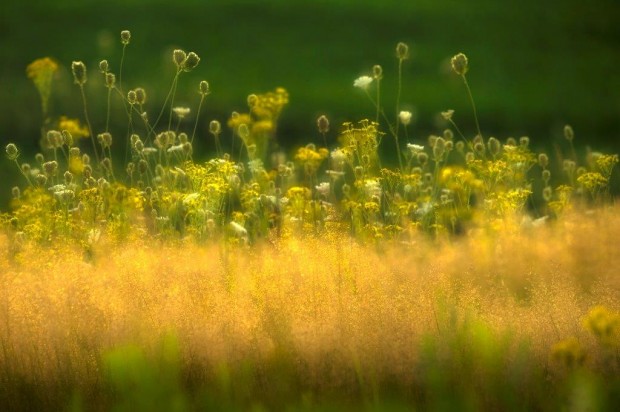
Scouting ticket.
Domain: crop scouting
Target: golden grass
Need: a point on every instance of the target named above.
(339, 314)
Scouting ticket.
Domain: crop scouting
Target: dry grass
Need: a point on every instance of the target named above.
(322, 316)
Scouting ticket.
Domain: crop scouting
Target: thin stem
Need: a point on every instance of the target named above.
(202, 98)
(378, 99)
(174, 92)
(393, 132)
(120, 72)
(22, 172)
(90, 129)
(107, 118)
(172, 87)
(400, 86)
(473, 105)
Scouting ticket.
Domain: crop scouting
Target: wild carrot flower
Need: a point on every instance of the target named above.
(362, 82)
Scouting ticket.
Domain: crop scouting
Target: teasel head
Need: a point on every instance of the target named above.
(78, 69)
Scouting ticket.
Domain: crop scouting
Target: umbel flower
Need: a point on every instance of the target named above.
(362, 82)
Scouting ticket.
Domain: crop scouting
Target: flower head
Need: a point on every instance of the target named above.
(362, 82)
(404, 117)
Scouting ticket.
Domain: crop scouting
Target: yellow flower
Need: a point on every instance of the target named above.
(41, 72)
(73, 126)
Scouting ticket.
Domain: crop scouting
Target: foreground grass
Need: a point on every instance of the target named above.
(468, 323)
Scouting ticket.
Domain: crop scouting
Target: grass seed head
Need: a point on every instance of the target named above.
(323, 124)
(11, 151)
(104, 66)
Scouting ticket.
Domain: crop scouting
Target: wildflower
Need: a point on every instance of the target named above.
(79, 72)
(338, 156)
(362, 82)
(323, 189)
(568, 352)
(181, 112)
(404, 117)
(238, 230)
(372, 188)
(459, 64)
(41, 72)
(415, 148)
(447, 115)
(603, 324)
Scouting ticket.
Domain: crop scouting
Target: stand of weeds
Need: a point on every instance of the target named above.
(475, 274)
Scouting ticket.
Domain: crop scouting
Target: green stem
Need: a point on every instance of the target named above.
(90, 129)
(473, 105)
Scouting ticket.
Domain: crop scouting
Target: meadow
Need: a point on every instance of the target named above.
(368, 269)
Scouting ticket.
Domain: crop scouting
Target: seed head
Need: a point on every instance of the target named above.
(103, 66)
(377, 72)
(524, 141)
(16, 192)
(494, 146)
(215, 127)
(204, 88)
(68, 177)
(402, 51)
(67, 138)
(125, 37)
(11, 151)
(140, 95)
(546, 175)
(547, 193)
(543, 160)
(243, 131)
(179, 56)
(459, 64)
(131, 97)
(50, 168)
(569, 134)
(74, 151)
(191, 62)
(26, 169)
(39, 158)
(79, 72)
(41, 179)
(447, 115)
(323, 124)
(110, 80)
(105, 139)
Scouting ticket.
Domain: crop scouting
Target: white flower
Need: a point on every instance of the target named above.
(405, 117)
(372, 187)
(173, 149)
(181, 111)
(338, 156)
(323, 189)
(414, 148)
(238, 229)
(362, 82)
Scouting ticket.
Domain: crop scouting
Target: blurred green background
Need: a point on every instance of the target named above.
(534, 66)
